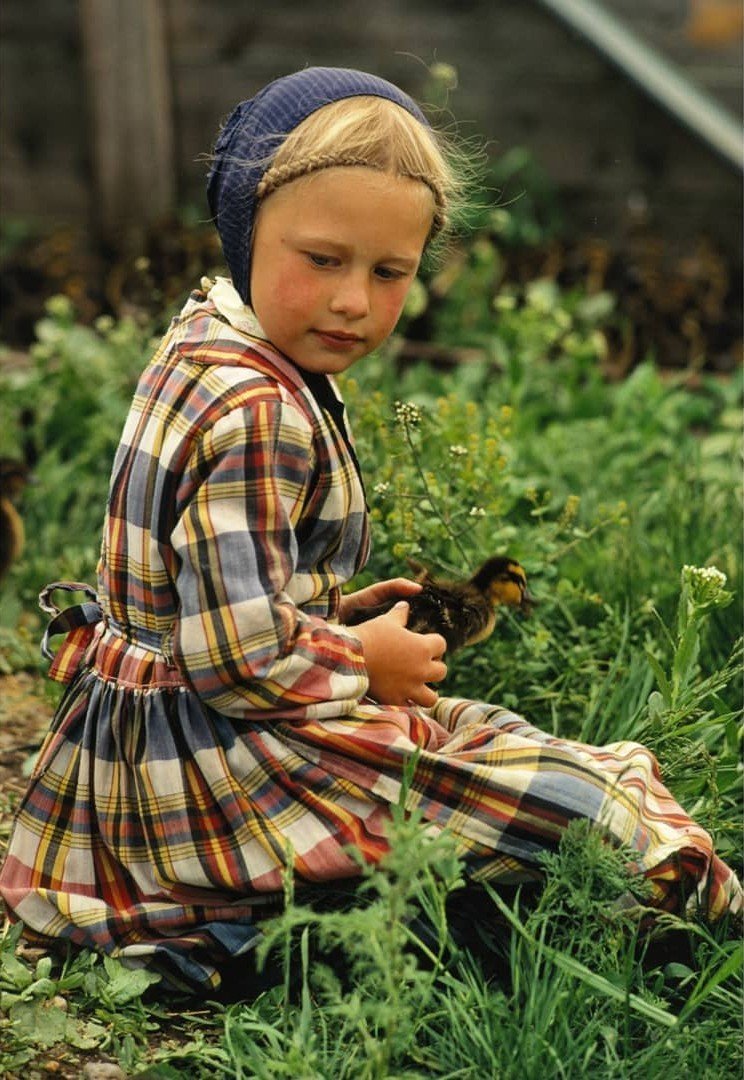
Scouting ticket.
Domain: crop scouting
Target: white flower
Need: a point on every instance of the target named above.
(704, 575)
(706, 584)
(60, 307)
(458, 451)
(505, 302)
(382, 488)
(407, 413)
(476, 511)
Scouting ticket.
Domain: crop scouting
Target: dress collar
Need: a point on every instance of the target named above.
(226, 299)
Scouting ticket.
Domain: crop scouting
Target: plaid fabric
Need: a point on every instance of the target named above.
(218, 713)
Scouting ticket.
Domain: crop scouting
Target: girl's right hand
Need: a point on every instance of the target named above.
(399, 662)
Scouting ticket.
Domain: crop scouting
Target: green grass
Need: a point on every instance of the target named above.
(605, 493)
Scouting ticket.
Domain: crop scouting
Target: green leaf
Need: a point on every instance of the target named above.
(678, 971)
(663, 683)
(731, 966)
(39, 1022)
(125, 984)
(159, 1072)
(86, 1035)
(14, 974)
(686, 655)
(576, 969)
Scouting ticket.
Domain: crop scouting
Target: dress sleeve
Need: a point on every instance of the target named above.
(239, 640)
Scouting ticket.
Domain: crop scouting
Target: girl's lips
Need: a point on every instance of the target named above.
(337, 340)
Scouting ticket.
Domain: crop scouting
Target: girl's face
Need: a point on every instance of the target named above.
(334, 255)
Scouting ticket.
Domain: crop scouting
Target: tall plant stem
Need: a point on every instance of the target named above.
(432, 501)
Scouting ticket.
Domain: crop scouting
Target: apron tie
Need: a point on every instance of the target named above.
(77, 621)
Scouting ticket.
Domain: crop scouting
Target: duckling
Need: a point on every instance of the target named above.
(463, 612)
(14, 476)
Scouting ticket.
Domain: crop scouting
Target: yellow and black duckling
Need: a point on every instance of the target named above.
(14, 475)
(463, 612)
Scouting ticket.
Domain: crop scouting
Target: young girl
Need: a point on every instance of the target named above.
(218, 709)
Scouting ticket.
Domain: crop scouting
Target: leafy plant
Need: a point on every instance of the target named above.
(605, 492)
(65, 414)
(85, 1002)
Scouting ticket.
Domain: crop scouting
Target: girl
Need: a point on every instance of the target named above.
(218, 709)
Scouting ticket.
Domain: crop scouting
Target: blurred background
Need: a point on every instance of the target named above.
(107, 105)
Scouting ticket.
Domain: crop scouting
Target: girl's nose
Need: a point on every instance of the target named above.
(351, 297)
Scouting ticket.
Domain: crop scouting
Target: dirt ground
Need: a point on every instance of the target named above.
(24, 717)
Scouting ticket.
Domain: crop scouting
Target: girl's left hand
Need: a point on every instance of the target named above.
(394, 589)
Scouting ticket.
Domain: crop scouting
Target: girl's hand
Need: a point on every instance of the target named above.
(399, 662)
(394, 589)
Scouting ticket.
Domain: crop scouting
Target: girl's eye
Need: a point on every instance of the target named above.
(321, 260)
(389, 273)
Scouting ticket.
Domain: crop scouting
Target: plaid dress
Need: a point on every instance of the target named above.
(216, 711)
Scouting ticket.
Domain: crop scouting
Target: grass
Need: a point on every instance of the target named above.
(618, 499)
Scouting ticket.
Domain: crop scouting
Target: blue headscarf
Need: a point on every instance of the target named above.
(255, 130)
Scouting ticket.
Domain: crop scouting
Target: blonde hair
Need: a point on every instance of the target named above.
(371, 132)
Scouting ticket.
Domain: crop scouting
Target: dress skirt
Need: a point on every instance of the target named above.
(157, 829)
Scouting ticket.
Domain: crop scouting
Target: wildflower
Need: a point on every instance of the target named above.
(476, 511)
(505, 302)
(501, 220)
(445, 74)
(407, 413)
(706, 586)
(542, 296)
(60, 307)
(570, 510)
(382, 488)
(599, 343)
(458, 451)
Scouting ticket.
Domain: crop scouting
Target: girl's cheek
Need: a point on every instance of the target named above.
(295, 292)
(394, 301)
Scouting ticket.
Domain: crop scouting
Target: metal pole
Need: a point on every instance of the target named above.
(659, 78)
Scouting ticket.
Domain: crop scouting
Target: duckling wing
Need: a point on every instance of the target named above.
(458, 617)
(364, 614)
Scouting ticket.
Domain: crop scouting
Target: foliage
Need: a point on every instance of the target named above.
(618, 499)
(603, 506)
(87, 1001)
(65, 414)
(383, 987)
